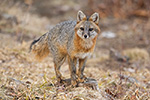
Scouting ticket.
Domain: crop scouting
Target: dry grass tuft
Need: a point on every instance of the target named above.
(137, 54)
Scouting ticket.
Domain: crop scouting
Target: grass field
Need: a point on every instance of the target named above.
(121, 65)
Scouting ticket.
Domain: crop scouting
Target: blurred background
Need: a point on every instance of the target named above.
(122, 53)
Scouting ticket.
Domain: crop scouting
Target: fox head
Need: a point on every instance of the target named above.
(87, 27)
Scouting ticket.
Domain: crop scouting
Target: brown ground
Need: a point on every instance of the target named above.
(21, 77)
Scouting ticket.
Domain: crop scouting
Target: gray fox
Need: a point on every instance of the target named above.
(74, 40)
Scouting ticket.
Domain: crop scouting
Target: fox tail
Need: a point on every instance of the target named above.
(40, 48)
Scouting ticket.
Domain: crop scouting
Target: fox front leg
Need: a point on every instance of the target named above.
(81, 77)
(72, 68)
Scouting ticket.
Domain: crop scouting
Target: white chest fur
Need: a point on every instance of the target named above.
(83, 55)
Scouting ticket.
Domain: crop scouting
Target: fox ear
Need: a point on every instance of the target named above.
(95, 18)
(80, 16)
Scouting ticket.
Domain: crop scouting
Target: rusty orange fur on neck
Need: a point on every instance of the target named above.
(80, 44)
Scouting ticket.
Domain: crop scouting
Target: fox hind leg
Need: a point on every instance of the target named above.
(58, 61)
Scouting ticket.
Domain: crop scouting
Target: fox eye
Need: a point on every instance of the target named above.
(81, 28)
(90, 29)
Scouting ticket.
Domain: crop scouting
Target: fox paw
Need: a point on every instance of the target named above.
(74, 83)
(60, 79)
(82, 79)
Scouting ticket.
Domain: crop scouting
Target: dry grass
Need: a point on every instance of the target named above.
(23, 78)
(137, 54)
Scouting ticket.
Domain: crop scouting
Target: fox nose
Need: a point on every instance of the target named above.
(85, 36)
